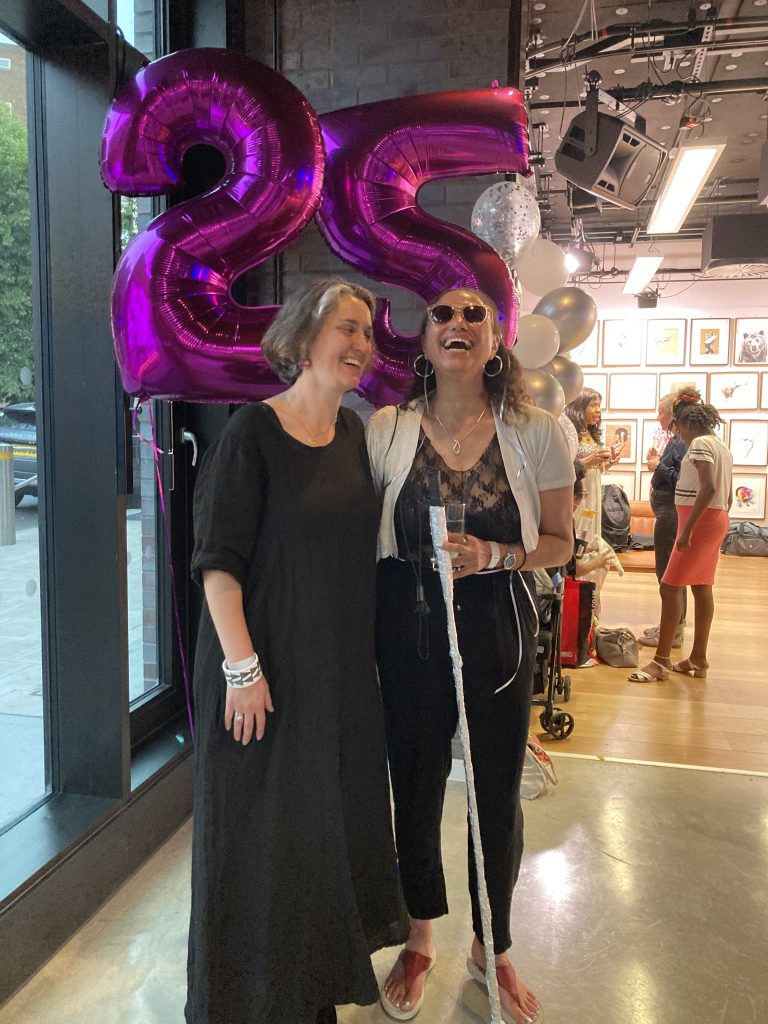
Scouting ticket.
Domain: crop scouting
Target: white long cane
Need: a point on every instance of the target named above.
(439, 536)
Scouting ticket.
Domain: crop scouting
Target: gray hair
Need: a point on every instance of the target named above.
(288, 338)
(667, 401)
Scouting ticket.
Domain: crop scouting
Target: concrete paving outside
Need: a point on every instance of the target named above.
(22, 736)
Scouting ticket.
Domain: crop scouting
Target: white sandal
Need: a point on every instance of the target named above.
(654, 672)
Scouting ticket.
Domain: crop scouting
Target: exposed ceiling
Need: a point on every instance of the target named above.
(670, 62)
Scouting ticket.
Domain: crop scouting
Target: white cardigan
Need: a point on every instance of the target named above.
(533, 449)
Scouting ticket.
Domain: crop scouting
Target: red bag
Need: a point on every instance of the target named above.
(577, 626)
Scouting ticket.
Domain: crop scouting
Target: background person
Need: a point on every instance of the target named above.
(703, 498)
(294, 880)
(471, 433)
(663, 460)
(585, 414)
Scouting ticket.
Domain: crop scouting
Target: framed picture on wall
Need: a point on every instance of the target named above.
(665, 342)
(621, 434)
(598, 382)
(733, 390)
(751, 346)
(748, 497)
(585, 354)
(652, 438)
(632, 391)
(671, 383)
(622, 342)
(645, 485)
(624, 480)
(710, 342)
(749, 442)
(764, 391)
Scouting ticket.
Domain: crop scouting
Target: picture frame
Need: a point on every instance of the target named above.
(632, 391)
(585, 354)
(750, 346)
(621, 431)
(670, 383)
(645, 484)
(710, 342)
(748, 496)
(623, 479)
(733, 390)
(598, 382)
(650, 435)
(749, 442)
(622, 342)
(764, 390)
(665, 342)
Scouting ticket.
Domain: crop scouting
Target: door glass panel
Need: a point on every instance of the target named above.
(23, 779)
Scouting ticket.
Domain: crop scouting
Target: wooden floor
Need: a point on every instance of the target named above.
(720, 722)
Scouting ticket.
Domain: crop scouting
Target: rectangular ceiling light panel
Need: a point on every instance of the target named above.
(686, 175)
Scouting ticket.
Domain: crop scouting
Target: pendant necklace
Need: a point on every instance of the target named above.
(458, 442)
(313, 439)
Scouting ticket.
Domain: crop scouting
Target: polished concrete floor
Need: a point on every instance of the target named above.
(643, 900)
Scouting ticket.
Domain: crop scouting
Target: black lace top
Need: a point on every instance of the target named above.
(491, 509)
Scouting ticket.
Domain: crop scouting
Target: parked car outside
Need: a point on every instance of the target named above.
(18, 426)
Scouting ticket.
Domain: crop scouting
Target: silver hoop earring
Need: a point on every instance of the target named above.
(428, 368)
(497, 372)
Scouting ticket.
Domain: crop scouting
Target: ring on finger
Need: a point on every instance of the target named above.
(238, 716)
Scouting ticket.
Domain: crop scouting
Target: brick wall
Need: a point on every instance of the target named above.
(349, 52)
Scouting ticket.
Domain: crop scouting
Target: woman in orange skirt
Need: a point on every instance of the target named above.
(703, 499)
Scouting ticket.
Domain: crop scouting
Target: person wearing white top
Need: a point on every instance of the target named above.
(473, 437)
(703, 500)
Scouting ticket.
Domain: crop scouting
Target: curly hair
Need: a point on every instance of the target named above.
(506, 389)
(288, 338)
(698, 416)
(575, 411)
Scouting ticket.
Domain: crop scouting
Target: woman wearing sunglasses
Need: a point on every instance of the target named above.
(468, 434)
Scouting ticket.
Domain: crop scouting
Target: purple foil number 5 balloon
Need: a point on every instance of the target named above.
(178, 332)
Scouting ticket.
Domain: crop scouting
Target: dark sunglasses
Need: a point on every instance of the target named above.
(443, 313)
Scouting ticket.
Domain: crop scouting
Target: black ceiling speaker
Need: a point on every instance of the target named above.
(608, 157)
(736, 244)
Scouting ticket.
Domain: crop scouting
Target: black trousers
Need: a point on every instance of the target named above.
(664, 537)
(421, 716)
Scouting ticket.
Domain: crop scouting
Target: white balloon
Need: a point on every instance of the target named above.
(538, 341)
(542, 268)
(507, 217)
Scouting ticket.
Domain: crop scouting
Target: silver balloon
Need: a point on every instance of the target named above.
(507, 217)
(572, 311)
(544, 391)
(570, 375)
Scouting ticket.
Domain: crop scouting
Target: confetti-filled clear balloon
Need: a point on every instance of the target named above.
(507, 217)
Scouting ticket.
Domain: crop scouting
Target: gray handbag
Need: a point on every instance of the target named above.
(745, 539)
(617, 646)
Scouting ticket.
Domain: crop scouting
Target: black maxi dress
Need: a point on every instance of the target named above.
(294, 877)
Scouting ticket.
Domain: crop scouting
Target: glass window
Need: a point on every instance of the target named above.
(22, 721)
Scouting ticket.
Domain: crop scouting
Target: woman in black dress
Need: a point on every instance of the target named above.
(294, 878)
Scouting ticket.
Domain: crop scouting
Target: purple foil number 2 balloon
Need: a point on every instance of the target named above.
(178, 331)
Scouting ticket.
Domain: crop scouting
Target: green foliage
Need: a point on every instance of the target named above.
(16, 349)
